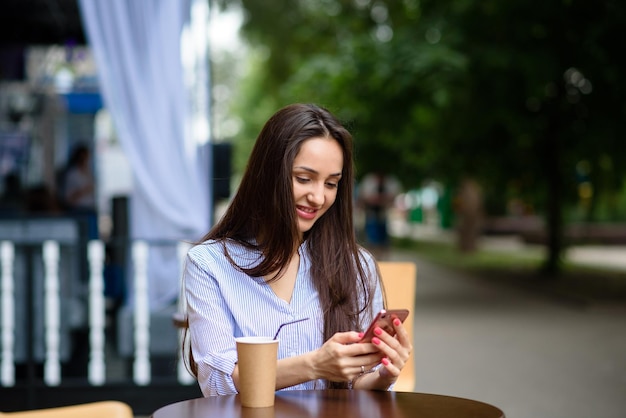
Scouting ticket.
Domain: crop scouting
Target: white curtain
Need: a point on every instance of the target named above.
(137, 47)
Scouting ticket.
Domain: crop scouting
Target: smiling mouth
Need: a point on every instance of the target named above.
(307, 210)
(306, 213)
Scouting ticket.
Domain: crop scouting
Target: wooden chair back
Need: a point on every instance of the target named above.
(399, 280)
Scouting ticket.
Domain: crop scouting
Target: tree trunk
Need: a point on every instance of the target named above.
(554, 214)
(554, 245)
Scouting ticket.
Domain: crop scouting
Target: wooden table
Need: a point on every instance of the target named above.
(335, 403)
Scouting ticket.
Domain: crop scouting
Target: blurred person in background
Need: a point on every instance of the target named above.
(12, 199)
(78, 181)
(78, 188)
(376, 194)
(469, 214)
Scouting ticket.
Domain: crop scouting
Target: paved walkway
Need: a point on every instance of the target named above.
(530, 355)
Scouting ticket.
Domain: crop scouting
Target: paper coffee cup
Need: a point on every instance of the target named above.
(257, 357)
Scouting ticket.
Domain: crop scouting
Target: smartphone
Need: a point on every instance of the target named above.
(384, 319)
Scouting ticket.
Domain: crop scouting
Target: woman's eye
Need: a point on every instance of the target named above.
(302, 179)
(332, 185)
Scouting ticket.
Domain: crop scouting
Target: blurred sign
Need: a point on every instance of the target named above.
(83, 102)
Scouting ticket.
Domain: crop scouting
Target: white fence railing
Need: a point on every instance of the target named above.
(7, 254)
(96, 370)
(52, 312)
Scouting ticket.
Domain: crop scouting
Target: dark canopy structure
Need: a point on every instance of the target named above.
(40, 22)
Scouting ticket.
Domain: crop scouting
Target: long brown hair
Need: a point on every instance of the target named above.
(262, 217)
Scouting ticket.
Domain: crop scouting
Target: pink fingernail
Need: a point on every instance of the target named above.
(396, 322)
(375, 341)
(385, 361)
(361, 334)
(378, 331)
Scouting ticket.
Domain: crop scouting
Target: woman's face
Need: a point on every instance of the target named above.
(316, 174)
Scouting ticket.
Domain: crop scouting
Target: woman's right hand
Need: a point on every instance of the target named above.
(342, 357)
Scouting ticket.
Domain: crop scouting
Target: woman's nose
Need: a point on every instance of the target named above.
(316, 195)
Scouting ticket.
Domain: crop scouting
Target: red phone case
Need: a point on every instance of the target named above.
(384, 320)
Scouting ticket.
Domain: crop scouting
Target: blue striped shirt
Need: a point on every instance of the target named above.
(224, 303)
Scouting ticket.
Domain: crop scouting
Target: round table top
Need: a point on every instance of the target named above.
(335, 403)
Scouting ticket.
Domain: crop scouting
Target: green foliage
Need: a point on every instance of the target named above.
(513, 93)
(388, 91)
(255, 105)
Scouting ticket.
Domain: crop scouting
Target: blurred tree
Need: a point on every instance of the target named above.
(541, 94)
(514, 94)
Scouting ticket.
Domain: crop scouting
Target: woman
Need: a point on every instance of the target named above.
(285, 250)
(79, 193)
